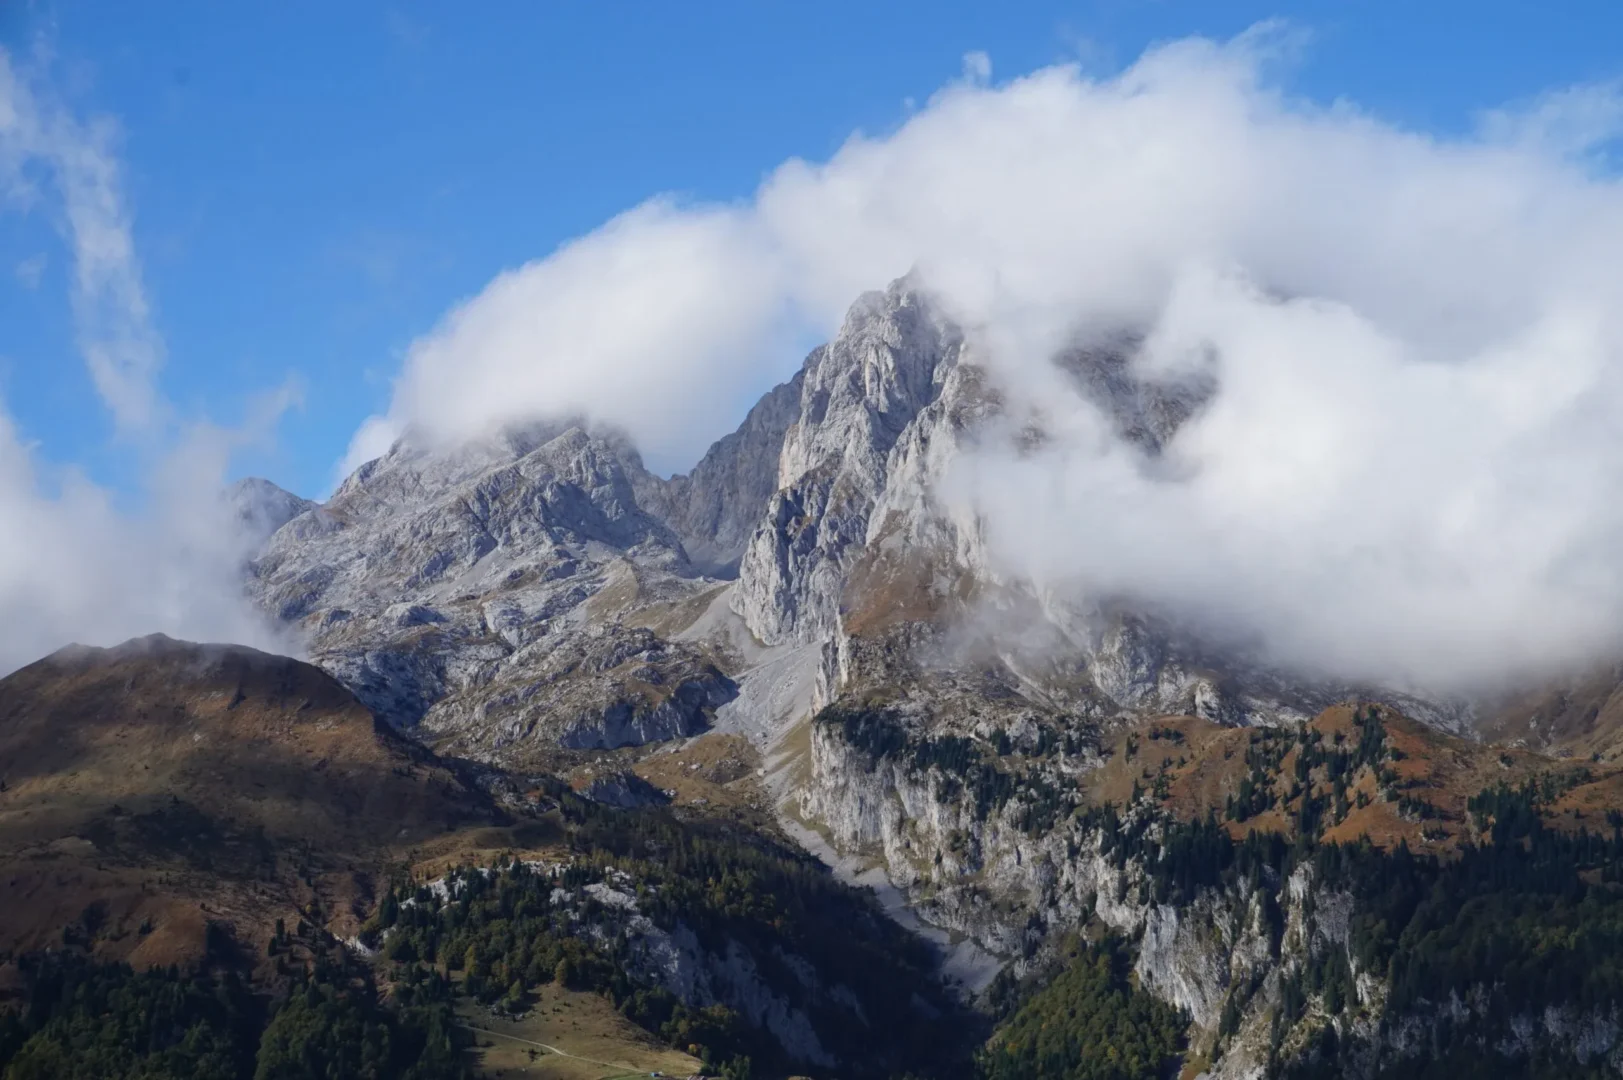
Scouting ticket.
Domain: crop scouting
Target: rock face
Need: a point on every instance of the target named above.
(858, 395)
(1015, 869)
(715, 508)
(485, 591)
(625, 790)
(677, 962)
(261, 507)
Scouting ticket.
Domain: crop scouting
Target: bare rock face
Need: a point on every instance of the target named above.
(716, 507)
(261, 507)
(609, 687)
(483, 591)
(623, 789)
(858, 395)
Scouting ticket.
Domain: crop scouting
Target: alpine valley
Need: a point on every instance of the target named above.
(774, 769)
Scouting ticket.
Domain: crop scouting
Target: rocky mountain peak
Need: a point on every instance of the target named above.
(861, 390)
(715, 508)
(540, 588)
(261, 507)
(858, 395)
(459, 579)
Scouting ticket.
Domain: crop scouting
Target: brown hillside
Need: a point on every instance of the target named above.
(1414, 788)
(152, 788)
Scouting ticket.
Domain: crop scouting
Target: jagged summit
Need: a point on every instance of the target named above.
(541, 588)
(487, 583)
(262, 507)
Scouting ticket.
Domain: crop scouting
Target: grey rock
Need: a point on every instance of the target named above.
(463, 589)
(716, 507)
(858, 394)
(260, 507)
(623, 789)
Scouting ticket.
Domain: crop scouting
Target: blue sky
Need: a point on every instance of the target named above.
(313, 186)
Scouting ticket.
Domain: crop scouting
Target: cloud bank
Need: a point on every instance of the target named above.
(74, 564)
(1411, 466)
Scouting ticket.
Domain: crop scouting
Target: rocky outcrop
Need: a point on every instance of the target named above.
(858, 395)
(626, 790)
(674, 959)
(259, 507)
(781, 993)
(1234, 953)
(716, 507)
(483, 592)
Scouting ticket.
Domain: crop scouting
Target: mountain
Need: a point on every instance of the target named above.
(161, 784)
(261, 507)
(808, 638)
(218, 818)
(540, 590)
(495, 594)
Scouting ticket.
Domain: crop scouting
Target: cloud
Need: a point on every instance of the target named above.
(376, 435)
(77, 567)
(977, 68)
(1343, 502)
(1573, 120)
(1409, 469)
(75, 564)
(644, 323)
(123, 353)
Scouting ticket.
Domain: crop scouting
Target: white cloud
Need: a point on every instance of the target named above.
(74, 564)
(644, 323)
(1574, 120)
(376, 435)
(110, 304)
(1411, 467)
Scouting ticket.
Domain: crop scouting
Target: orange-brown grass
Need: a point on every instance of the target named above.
(1212, 762)
(600, 1041)
(717, 772)
(176, 784)
(1200, 765)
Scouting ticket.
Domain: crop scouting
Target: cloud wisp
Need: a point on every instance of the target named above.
(1408, 471)
(76, 158)
(74, 564)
